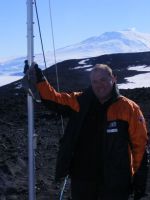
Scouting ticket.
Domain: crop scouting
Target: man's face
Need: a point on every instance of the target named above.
(102, 83)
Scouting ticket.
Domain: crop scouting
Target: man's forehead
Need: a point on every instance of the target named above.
(100, 73)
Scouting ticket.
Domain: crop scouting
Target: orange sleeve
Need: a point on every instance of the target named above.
(47, 92)
(138, 136)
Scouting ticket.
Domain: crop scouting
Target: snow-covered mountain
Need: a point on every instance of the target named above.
(106, 43)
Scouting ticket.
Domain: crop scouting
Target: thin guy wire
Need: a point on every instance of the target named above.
(54, 50)
(40, 33)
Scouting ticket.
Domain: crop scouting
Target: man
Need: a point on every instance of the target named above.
(103, 147)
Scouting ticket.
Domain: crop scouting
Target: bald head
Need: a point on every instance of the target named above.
(102, 81)
(102, 67)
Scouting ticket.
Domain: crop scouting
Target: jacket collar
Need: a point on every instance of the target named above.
(115, 94)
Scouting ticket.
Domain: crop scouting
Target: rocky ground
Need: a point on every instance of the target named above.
(14, 144)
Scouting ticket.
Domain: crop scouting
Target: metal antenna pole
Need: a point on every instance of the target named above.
(31, 142)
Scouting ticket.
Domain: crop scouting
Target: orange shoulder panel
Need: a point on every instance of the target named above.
(129, 111)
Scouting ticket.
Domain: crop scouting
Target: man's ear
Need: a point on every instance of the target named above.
(114, 78)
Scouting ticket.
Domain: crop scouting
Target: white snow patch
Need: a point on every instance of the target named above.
(137, 81)
(88, 70)
(143, 68)
(82, 67)
(83, 62)
(4, 80)
(18, 86)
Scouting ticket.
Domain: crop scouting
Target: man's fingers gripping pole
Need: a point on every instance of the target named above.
(29, 83)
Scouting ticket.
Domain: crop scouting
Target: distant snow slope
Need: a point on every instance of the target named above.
(107, 43)
(4, 80)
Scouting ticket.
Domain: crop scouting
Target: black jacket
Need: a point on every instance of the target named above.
(114, 176)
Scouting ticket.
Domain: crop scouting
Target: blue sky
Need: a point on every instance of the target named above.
(73, 21)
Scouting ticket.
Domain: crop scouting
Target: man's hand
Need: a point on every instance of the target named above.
(33, 76)
(37, 73)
